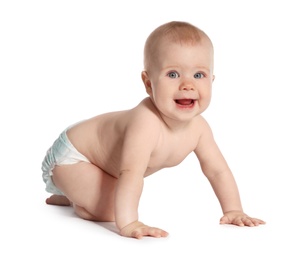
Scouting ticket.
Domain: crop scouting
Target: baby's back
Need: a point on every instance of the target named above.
(100, 139)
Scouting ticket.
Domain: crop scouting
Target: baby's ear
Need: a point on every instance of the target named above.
(147, 82)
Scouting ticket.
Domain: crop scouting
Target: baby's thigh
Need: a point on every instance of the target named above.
(87, 186)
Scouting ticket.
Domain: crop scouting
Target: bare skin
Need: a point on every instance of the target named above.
(94, 195)
(59, 200)
(92, 190)
(161, 131)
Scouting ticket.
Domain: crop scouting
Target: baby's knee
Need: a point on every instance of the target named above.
(83, 213)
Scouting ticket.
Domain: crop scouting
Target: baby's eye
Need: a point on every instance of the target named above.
(173, 75)
(198, 75)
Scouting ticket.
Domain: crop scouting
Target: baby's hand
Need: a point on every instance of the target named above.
(239, 218)
(138, 230)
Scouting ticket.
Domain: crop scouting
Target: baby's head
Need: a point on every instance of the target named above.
(172, 32)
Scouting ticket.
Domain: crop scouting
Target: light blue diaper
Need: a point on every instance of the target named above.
(60, 153)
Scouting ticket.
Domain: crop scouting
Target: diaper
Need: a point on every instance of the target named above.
(62, 152)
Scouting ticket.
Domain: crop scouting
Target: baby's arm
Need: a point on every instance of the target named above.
(222, 180)
(138, 143)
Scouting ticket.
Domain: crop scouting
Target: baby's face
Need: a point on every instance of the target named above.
(181, 79)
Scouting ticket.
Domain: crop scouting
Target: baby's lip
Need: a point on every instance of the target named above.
(184, 101)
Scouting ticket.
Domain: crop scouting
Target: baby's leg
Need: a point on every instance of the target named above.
(90, 190)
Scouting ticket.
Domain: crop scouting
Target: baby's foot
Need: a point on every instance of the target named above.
(59, 200)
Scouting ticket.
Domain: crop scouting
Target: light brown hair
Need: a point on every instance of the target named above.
(176, 32)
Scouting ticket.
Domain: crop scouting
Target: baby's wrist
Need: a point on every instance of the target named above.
(233, 211)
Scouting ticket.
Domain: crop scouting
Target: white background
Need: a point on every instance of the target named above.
(64, 61)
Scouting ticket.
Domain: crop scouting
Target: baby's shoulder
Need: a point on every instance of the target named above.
(141, 122)
(199, 123)
(144, 113)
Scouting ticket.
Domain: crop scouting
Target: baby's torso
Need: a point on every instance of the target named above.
(101, 138)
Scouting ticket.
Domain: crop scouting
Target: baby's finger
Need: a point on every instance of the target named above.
(224, 220)
(257, 222)
(149, 231)
(248, 222)
(145, 231)
(137, 234)
(156, 232)
(238, 222)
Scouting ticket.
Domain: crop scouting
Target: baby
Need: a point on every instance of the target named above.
(98, 165)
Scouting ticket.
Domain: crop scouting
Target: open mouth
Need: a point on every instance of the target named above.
(186, 103)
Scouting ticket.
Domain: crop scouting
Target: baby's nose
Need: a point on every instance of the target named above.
(187, 86)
